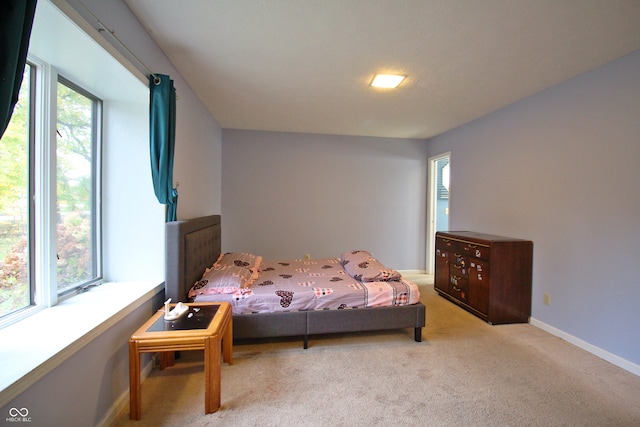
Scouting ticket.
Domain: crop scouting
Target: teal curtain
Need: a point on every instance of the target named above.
(16, 21)
(162, 112)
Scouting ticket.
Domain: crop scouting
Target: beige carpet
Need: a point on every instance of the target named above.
(464, 373)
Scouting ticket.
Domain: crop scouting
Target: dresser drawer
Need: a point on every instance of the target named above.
(459, 266)
(459, 287)
(479, 280)
(475, 250)
(441, 279)
(447, 244)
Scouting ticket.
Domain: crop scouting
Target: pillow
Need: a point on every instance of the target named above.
(362, 266)
(239, 259)
(226, 280)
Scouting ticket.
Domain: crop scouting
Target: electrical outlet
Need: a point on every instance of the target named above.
(547, 299)
(307, 256)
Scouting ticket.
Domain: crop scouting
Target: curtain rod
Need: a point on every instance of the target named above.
(156, 79)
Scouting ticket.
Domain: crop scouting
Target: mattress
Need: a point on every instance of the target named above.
(318, 284)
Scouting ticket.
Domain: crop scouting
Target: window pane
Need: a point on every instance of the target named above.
(443, 178)
(75, 240)
(15, 289)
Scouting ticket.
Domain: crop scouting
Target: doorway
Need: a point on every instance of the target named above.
(439, 195)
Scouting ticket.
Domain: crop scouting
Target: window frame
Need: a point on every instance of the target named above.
(33, 99)
(42, 250)
(96, 184)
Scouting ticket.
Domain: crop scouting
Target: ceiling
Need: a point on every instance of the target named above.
(306, 65)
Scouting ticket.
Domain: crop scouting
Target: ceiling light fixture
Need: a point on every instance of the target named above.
(388, 81)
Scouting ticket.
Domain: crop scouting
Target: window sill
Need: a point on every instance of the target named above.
(34, 346)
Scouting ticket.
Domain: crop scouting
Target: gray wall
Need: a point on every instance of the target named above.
(83, 390)
(561, 168)
(198, 135)
(286, 195)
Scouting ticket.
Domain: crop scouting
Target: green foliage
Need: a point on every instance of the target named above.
(14, 277)
(74, 264)
(74, 162)
(14, 179)
(12, 299)
(14, 158)
(74, 153)
(74, 150)
(74, 250)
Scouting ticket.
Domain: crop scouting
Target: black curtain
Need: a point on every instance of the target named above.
(16, 20)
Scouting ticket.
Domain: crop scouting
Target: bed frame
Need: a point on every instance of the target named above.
(192, 246)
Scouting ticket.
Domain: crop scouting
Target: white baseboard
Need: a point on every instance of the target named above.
(596, 351)
(403, 272)
(123, 400)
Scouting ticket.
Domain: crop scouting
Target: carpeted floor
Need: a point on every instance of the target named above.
(464, 373)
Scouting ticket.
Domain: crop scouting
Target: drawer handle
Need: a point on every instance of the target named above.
(457, 289)
(457, 255)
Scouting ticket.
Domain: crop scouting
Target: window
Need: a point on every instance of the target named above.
(49, 193)
(77, 216)
(15, 231)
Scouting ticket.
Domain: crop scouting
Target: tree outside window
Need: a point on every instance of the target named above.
(15, 290)
(76, 234)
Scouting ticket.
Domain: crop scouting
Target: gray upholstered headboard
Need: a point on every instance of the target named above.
(190, 247)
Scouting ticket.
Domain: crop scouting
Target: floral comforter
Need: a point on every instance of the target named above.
(316, 284)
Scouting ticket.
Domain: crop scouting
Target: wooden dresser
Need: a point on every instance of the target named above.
(488, 275)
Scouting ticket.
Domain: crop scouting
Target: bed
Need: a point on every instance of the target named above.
(192, 246)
